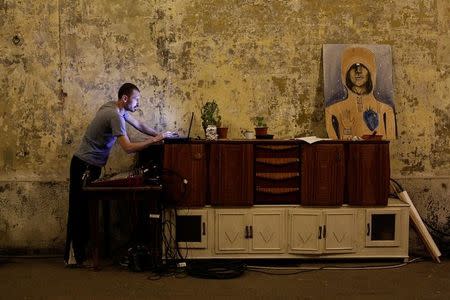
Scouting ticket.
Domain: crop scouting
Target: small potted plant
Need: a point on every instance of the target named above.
(222, 131)
(260, 126)
(210, 114)
(210, 117)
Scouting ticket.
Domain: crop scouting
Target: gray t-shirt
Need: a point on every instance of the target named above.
(101, 134)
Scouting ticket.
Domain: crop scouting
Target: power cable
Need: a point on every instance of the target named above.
(367, 267)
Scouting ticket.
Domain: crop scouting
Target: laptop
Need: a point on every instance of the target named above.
(180, 139)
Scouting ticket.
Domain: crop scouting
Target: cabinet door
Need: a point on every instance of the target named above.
(339, 230)
(305, 231)
(232, 231)
(191, 228)
(185, 161)
(231, 174)
(368, 173)
(267, 233)
(383, 227)
(323, 176)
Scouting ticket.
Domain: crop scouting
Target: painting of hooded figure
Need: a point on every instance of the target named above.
(358, 91)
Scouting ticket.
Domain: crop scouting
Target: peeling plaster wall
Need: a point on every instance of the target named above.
(60, 60)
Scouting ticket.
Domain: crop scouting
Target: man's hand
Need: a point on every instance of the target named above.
(156, 138)
(170, 134)
(131, 147)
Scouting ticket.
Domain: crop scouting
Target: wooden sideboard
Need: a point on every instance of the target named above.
(282, 199)
(249, 172)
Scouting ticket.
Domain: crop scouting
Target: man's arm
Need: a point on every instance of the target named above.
(141, 126)
(131, 147)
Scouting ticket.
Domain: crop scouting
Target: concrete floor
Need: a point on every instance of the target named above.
(49, 279)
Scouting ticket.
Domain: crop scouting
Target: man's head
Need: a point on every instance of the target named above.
(129, 95)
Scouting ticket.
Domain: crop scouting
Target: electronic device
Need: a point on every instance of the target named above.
(134, 178)
(180, 139)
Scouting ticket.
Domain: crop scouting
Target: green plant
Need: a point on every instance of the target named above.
(259, 122)
(210, 114)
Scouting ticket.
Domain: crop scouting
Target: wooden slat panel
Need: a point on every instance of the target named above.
(276, 151)
(277, 176)
(277, 190)
(277, 161)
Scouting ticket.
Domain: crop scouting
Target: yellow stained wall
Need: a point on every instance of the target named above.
(60, 60)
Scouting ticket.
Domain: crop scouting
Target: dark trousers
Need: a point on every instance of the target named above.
(78, 216)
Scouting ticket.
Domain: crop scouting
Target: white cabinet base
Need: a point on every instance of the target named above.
(289, 231)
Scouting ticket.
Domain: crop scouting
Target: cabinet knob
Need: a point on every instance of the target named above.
(320, 232)
(198, 156)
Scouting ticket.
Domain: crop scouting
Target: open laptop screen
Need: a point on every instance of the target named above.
(181, 139)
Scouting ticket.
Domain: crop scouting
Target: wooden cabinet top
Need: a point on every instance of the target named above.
(284, 141)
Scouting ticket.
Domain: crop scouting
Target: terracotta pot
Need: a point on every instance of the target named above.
(222, 132)
(260, 130)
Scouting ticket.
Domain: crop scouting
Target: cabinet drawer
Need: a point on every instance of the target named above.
(277, 195)
(262, 150)
(279, 165)
(277, 179)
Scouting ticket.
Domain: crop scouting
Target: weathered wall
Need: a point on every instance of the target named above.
(252, 57)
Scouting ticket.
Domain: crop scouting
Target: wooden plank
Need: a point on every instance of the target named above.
(419, 225)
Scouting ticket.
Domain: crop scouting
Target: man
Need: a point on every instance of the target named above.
(107, 127)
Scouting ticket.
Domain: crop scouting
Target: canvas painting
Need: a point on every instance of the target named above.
(358, 91)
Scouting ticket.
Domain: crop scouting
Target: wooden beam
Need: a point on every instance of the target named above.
(418, 224)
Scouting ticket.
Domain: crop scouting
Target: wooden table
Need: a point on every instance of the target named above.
(95, 195)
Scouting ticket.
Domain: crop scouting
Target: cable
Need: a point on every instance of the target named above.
(170, 241)
(215, 270)
(308, 269)
(174, 201)
(167, 270)
(231, 269)
(171, 251)
(290, 273)
(397, 186)
(436, 230)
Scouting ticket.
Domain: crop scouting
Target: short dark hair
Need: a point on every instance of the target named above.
(127, 89)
